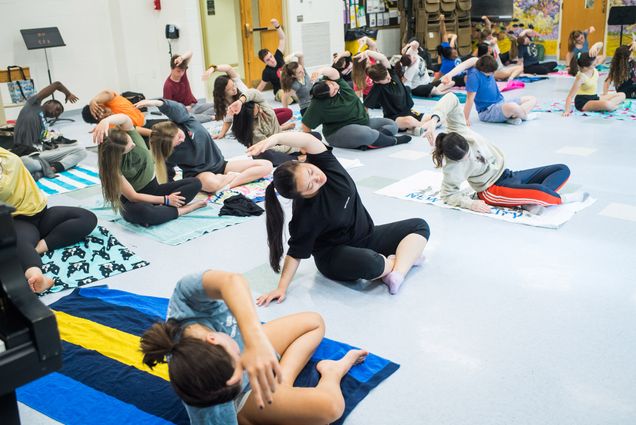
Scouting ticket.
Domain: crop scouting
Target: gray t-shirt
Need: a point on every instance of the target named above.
(302, 91)
(190, 304)
(30, 127)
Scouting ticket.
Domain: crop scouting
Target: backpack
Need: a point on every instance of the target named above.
(134, 97)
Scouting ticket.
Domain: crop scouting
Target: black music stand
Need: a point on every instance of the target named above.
(44, 38)
(622, 15)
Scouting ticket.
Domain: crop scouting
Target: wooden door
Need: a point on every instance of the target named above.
(580, 15)
(258, 33)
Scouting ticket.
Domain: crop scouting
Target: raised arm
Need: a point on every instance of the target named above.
(95, 105)
(122, 121)
(304, 141)
(52, 88)
(281, 34)
(462, 67)
(487, 23)
(259, 358)
(379, 57)
(329, 72)
(371, 44)
(411, 48)
(338, 56)
(183, 58)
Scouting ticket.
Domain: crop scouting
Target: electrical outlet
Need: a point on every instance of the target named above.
(300, 18)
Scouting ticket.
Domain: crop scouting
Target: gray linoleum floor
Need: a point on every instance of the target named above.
(504, 324)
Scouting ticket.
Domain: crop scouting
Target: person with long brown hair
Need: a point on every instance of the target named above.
(38, 227)
(227, 90)
(213, 337)
(296, 83)
(198, 155)
(622, 72)
(330, 222)
(362, 84)
(577, 43)
(127, 174)
(465, 156)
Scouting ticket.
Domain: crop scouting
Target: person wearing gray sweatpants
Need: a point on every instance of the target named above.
(345, 122)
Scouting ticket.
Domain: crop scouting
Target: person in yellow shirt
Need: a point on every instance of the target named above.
(38, 228)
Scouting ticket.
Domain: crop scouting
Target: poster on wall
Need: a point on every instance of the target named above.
(210, 7)
(544, 15)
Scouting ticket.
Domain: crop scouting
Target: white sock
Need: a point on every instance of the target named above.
(568, 198)
(531, 116)
(533, 209)
(514, 121)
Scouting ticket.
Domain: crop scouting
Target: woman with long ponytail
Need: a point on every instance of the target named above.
(127, 174)
(330, 222)
(465, 156)
(213, 337)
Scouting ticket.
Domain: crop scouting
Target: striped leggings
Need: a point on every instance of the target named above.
(537, 186)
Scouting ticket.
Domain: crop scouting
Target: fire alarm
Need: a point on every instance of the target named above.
(157, 4)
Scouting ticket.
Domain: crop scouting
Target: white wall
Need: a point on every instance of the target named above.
(315, 11)
(115, 44)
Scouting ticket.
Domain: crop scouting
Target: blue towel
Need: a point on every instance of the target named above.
(69, 180)
(525, 79)
(98, 256)
(93, 388)
(176, 232)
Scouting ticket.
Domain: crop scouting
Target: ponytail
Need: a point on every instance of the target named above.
(198, 370)
(243, 125)
(452, 146)
(285, 183)
(580, 60)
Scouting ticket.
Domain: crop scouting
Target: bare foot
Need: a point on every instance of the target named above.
(192, 206)
(41, 247)
(227, 181)
(37, 281)
(342, 366)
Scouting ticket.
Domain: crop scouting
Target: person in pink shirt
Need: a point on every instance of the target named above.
(177, 88)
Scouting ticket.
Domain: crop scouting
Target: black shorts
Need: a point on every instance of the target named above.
(581, 99)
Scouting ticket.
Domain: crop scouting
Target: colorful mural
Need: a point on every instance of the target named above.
(544, 15)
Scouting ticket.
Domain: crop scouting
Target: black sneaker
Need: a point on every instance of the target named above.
(63, 141)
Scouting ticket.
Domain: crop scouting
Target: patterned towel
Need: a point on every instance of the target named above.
(69, 180)
(98, 256)
(254, 190)
(103, 381)
(627, 111)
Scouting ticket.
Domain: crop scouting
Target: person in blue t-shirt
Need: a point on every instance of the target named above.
(481, 89)
(213, 342)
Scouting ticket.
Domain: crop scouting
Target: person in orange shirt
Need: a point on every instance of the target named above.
(109, 102)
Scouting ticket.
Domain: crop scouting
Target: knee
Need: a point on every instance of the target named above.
(421, 227)
(315, 321)
(565, 169)
(267, 165)
(88, 220)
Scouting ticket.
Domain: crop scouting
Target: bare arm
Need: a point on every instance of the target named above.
(304, 141)
(462, 67)
(371, 44)
(281, 34)
(568, 101)
(183, 58)
(133, 196)
(261, 86)
(442, 27)
(258, 358)
(606, 85)
(338, 56)
(52, 88)
(377, 56)
(305, 128)
(224, 129)
(487, 23)
(411, 48)
(468, 106)
(122, 121)
(330, 73)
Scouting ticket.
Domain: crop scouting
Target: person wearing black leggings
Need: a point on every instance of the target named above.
(529, 55)
(330, 222)
(127, 173)
(38, 228)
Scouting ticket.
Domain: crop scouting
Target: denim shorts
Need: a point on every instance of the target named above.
(494, 113)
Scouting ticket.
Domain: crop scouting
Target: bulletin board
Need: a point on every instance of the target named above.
(371, 13)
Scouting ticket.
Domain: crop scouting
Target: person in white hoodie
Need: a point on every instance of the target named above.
(464, 155)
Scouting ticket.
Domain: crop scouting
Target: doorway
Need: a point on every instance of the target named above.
(580, 15)
(221, 27)
(257, 33)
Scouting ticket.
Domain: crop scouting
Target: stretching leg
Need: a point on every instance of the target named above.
(442, 89)
(607, 102)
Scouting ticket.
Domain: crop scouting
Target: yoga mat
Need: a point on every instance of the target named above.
(176, 232)
(254, 190)
(627, 111)
(461, 95)
(424, 187)
(67, 181)
(103, 381)
(98, 256)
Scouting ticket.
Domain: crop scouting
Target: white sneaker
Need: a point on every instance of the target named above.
(514, 121)
(532, 116)
(416, 131)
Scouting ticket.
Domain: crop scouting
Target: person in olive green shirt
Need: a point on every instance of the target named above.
(345, 122)
(127, 173)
